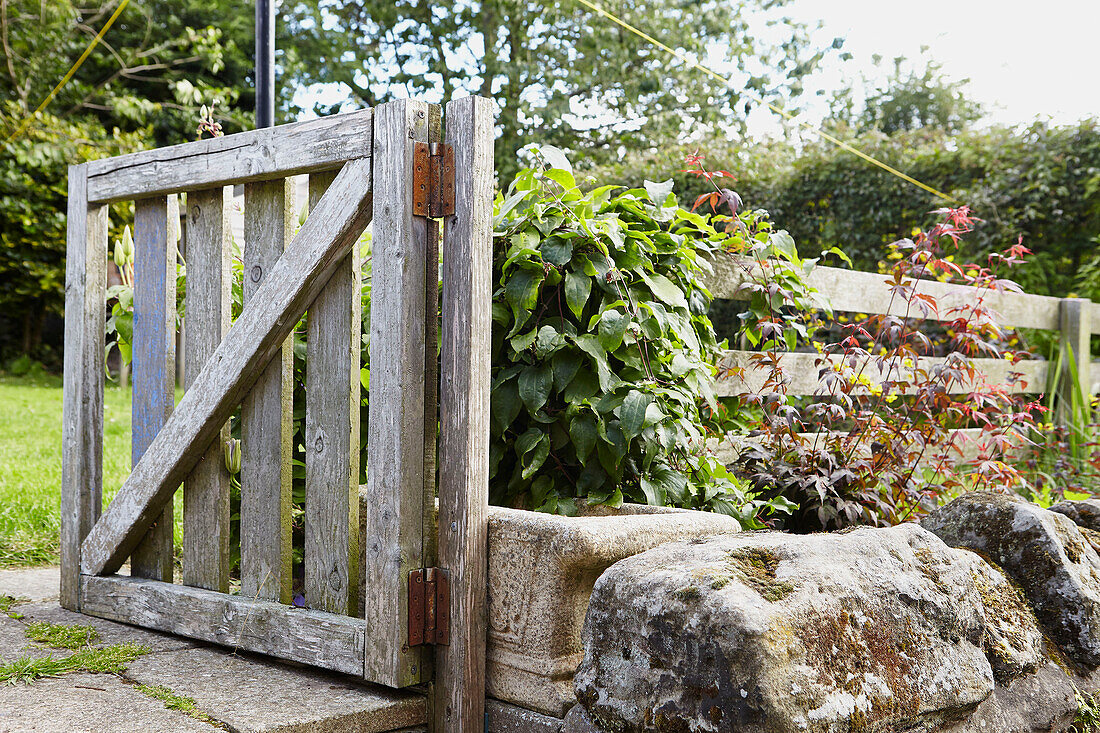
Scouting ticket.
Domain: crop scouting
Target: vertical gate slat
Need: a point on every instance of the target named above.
(207, 317)
(82, 410)
(333, 344)
(395, 444)
(266, 412)
(154, 354)
(464, 416)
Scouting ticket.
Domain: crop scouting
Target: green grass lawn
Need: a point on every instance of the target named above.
(30, 464)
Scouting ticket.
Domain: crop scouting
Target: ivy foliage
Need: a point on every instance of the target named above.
(602, 351)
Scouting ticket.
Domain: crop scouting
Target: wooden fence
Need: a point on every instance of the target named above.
(387, 165)
(1075, 319)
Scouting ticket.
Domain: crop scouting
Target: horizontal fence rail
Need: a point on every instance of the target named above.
(807, 377)
(853, 291)
(272, 152)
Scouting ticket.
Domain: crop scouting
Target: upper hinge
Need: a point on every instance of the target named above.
(433, 180)
(429, 607)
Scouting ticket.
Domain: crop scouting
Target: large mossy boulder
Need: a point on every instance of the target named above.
(1042, 551)
(872, 629)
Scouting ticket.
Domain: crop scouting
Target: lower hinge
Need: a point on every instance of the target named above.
(429, 607)
(433, 180)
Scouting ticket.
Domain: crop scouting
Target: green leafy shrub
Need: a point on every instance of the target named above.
(602, 351)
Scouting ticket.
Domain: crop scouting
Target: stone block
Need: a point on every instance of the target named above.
(872, 629)
(541, 571)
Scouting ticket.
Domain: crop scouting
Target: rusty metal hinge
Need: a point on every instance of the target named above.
(433, 180)
(429, 607)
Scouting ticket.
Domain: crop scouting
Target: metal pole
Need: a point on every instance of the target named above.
(265, 63)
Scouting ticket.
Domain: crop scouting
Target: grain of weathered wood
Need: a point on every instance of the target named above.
(207, 314)
(267, 411)
(156, 222)
(464, 416)
(273, 152)
(1075, 327)
(82, 407)
(333, 344)
(803, 372)
(867, 292)
(395, 443)
(311, 637)
(255, 338)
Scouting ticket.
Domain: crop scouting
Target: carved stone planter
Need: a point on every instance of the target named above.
(541, 571)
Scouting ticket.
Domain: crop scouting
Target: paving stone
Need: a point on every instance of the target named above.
(505, 718)
(253, 695)
(87, 703)
(13, 644)
(109, 631)
(35, 584)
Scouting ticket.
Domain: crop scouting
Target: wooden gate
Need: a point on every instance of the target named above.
(385, 164)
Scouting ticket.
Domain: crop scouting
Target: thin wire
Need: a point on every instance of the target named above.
(69, 74)
(729, 82)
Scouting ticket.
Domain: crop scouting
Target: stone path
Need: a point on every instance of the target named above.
(236, 691)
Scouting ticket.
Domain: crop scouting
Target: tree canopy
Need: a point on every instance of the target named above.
(560, 74)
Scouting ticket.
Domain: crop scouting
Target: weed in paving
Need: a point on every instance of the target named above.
(180, 703)
(61, 636)
(109, 659)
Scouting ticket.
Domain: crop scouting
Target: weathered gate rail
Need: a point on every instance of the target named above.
(361, 166)
(1076, 319)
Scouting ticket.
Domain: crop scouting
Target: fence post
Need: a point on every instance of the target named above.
(82, 424)
(464, 416)
(1075, 332)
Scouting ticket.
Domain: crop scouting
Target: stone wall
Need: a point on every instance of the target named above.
(986, 618)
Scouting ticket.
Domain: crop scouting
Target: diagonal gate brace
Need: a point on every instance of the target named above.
(300, 274)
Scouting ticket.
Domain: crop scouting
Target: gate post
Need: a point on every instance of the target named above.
(393, 543)
(82, 422)
(459, 705)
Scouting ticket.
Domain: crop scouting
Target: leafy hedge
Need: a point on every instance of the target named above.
(602, 350)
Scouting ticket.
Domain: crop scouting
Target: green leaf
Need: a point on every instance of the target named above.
(632, 414)
(565, 363)
(583, 386)
(659, 192)
(555, 158)
(532, 448)
(613, 325)
(577, 288)
(522, 289)
(583, 432)
(534, 385)
(523, 341)
(665, 290)
(504, 405)
(549, 340)
(557, 250)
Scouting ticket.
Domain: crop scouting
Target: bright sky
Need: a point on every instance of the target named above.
(1024, 59)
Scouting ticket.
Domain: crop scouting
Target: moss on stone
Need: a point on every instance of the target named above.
(689, 593)
(755, 567)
